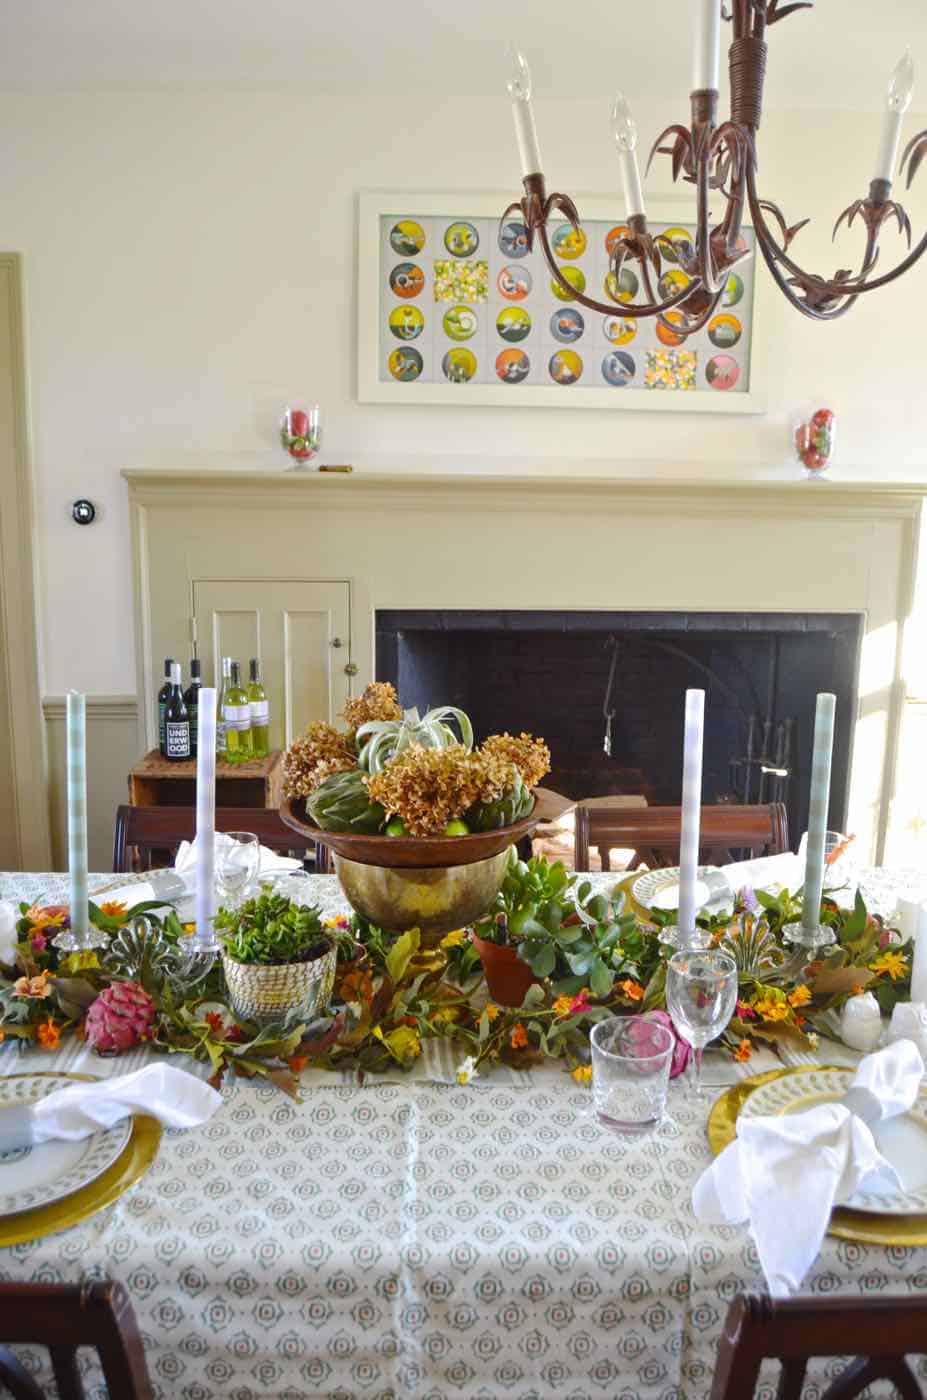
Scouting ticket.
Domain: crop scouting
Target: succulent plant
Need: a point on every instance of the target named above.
(342, 803)
(270, 929)
(516, 802)
(121, 1017)
(379, 741)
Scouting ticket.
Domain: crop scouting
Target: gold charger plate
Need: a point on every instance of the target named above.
(907, 1230)
(131, 1164)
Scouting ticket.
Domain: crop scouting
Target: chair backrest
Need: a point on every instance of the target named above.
(63, 1317)
(796, 1329)
(145, 833)
(652, 833)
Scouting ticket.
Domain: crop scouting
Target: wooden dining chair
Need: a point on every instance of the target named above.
(795, 1330)
(63, 1317)
(144, 835)
(652, 833)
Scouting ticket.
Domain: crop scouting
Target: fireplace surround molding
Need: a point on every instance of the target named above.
(407, 541)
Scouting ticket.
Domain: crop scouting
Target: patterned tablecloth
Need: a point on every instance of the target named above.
(425, 1240)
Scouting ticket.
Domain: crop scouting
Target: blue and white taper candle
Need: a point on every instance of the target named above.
(205, 903)
(691, 810)
(77, 812)
(817, 810)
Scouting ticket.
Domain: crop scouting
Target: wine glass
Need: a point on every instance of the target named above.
(301, 433)
(701, 993)
(238, 860)
(841, 871)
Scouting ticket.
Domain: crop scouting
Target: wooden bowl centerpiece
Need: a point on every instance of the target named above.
(434, 883)
(418, 819)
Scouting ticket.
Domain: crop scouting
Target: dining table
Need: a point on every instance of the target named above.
(415, 1237)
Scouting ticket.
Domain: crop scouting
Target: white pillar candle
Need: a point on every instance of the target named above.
(817, 809)
(919, 961)
(900, 92)
(519, 87)
(691, 809)
(205, 906)
(624, 131)
(706, 43)
(77, 812)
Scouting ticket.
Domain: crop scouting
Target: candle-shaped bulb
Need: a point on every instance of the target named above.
(519, 88)
(897, 102)
(624, 127)
(519, 83)
(624, 131)
(901, 86)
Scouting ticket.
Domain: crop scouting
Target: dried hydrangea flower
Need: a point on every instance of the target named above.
(315, 756)
(428, 788)
(531, 756)
(378, 702)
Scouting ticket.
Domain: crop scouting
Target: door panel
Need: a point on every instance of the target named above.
(291, 624)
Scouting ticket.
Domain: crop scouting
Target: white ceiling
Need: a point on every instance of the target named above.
(838, 55)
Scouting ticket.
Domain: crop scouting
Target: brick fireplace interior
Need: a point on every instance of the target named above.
(548, 672)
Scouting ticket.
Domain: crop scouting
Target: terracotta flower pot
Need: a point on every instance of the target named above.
(507, 977)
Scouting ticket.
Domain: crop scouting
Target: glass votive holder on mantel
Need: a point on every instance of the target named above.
(301, 434)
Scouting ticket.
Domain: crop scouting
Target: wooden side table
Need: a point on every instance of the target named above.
(156, 782)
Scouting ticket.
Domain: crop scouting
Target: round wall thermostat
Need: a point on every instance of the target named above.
(84, 512)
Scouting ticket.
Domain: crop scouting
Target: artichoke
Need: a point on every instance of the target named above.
(516, 802)
(342, 803)
(380, 740)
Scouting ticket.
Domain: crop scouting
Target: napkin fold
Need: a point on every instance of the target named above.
(177, 1099)
(784, 1174)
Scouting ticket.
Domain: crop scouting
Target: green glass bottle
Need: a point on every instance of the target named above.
(220, 717)
(236, 712)
(260, 712)
(191, 699)
(164, 694)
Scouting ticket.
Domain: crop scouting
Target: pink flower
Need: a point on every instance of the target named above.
(682, 1051)
(580, 1002)
(744, 1012)
(39, 942)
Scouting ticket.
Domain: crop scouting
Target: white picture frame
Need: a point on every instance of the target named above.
(373, 296)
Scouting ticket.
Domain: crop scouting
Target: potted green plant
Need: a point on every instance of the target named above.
(278, 960)
(529, 909)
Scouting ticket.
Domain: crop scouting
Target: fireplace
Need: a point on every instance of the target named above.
(549, 672)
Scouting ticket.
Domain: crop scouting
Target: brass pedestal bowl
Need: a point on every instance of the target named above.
(433, 883)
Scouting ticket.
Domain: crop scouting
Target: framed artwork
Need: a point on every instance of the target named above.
(452, 308)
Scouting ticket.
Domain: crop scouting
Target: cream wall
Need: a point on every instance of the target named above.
(190, 263)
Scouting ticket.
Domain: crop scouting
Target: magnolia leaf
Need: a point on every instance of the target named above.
(402, 953)
(286, 1080)
(856, 923)
(833, 982)
(76, 990)
(781, 1033)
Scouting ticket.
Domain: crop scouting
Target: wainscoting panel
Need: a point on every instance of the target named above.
(113, 745)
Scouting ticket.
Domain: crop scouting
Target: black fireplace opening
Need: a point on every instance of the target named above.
(562, 674)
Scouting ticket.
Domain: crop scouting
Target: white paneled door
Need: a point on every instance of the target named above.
(300, 629)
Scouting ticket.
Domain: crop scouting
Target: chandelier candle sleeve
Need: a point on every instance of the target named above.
(898, 100)
(691, 809)
(817, 810)
(519, 88)
(706, 43)
(77, 813)
(206, 822)
(624, 130)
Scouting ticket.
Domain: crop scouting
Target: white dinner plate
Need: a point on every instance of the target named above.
(659, 889)
(902, 1140)
(36, 1176)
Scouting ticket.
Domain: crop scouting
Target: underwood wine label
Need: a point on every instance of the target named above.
(177, 739)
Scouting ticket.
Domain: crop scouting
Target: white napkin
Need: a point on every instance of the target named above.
(785, 870)
(784, 1174)
(9, 914)
(185, 860)
(177, 1099)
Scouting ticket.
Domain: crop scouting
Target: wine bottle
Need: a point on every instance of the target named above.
(236, 713)
(260, 711)
(164, 694)
(221, 748)
(176, 721)
(191, 699)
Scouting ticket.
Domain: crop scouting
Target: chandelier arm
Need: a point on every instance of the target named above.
(604, 308)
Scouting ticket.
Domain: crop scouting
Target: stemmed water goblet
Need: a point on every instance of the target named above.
(701, 994)
(238, 860)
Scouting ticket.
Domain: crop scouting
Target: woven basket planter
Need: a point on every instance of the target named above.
(269, 992)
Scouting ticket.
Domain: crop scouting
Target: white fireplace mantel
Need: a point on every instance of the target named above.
(406, 541)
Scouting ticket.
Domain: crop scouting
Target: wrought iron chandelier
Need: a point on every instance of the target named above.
(720, 160)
